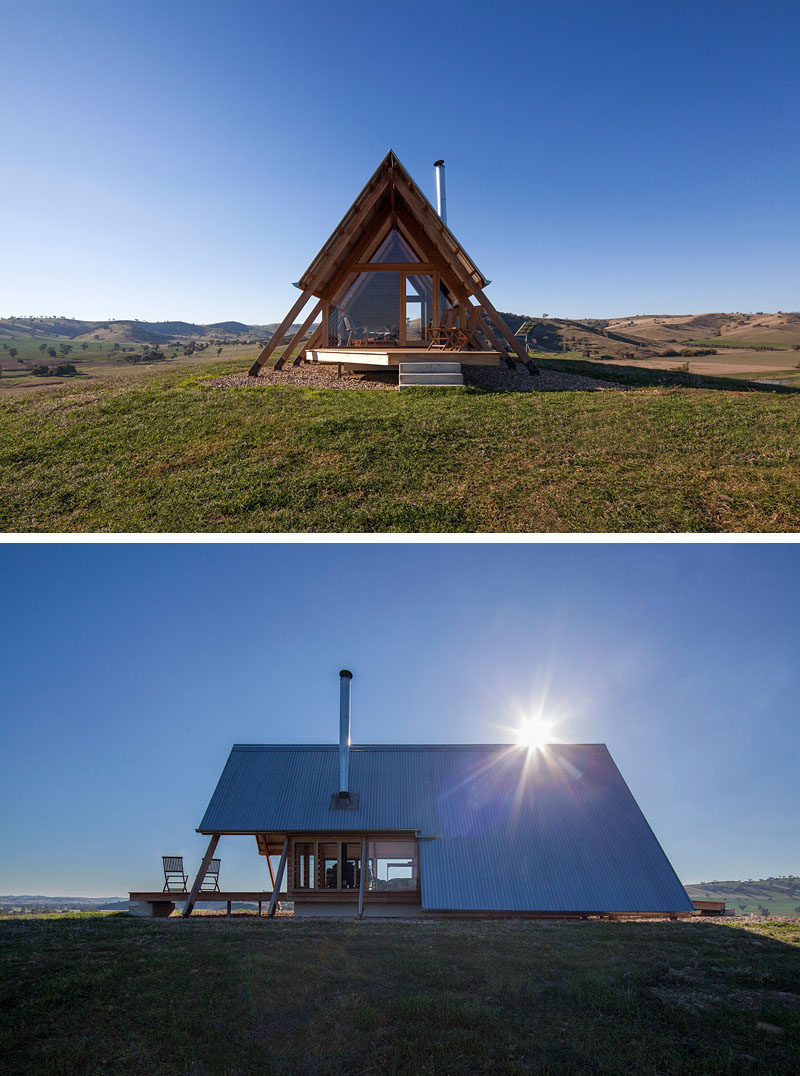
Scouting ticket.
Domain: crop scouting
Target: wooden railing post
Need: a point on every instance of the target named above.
(212, 847)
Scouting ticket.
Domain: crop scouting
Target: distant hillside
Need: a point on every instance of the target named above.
(641, 336)
(27, 903)
(770, 896)
(128, 330)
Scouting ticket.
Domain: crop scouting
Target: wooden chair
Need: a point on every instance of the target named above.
(473, 320)
(210, 883)
(175, 881)
(441, 337)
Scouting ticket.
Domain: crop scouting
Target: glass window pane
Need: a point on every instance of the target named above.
(351, 865)
(304, 865)
(328, 866)
(394, 248)
(368, 312)
(419, 306)
(392, 866)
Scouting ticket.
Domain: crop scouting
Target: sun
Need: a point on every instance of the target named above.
(535, 733)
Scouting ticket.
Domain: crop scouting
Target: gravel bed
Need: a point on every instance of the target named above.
(496, 378)
(501, 379)
(310, 375)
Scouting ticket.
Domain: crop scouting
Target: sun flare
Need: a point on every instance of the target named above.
(535, 733)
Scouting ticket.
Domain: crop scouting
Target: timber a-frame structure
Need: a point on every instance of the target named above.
(392, 283)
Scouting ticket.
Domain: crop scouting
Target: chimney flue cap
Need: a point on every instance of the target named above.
(437, 164)
(345, 673)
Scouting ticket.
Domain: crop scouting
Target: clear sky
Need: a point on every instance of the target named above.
(187, 159)
(130, 670)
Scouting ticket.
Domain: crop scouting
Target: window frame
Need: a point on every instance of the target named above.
(316, 840)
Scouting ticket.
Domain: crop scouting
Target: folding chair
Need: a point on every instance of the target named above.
(175, 881)
(441, 337)
(210, 883)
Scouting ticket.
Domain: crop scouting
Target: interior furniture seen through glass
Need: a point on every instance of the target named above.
(392, 866)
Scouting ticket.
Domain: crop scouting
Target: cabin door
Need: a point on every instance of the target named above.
(416, 314)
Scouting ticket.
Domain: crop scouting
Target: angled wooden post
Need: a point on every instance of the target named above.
(298, 336)
(212, 847)
(312, 342)
(495, 341)
(278, 879)
(500, 323)
(363, 875)
(280, 332)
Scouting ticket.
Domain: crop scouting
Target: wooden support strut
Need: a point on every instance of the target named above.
(280, 332)
(312, 342)
(500, 324)
(190, 903)
(298, 336)
(363, 876)
(278, 879)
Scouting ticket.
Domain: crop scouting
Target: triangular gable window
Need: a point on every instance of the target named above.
(394, 249)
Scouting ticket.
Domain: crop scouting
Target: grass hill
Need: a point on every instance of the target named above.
(166, 450)
(105, 994)
(765, 896)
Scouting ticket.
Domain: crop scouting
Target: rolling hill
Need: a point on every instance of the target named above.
(770, 896)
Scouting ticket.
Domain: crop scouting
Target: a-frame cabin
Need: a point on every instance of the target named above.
(393, 285)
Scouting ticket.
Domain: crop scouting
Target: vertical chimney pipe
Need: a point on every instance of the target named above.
(345, 676)
(441, 195)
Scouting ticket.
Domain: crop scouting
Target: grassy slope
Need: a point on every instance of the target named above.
(102, 996)
(167, 452)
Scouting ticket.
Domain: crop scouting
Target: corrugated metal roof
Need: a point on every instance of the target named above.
(502, 828)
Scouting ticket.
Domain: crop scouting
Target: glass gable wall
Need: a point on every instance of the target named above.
(387, 307)
(368, 312)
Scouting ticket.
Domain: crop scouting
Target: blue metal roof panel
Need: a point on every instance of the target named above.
(502, 828)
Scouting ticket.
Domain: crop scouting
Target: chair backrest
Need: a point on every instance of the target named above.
(473, 318)
(174, 878)
(211, 877)
(448, 318)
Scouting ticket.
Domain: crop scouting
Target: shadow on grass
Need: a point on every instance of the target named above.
(645, 377)
(510, 997)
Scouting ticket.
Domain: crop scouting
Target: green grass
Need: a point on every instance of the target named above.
(215, 997)
(167, 452)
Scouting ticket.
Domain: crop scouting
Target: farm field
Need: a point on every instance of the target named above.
(170, 452)
(736, 362)
(100, 360)
(101, 995)
(771, 896)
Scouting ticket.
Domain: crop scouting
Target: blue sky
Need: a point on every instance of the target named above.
(130, 670)
(187, 160)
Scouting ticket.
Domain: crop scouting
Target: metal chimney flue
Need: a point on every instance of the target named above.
(441, 196)
(345, 677)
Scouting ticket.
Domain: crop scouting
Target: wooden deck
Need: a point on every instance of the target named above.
(369, 357)
(220, 895)
(158, 904)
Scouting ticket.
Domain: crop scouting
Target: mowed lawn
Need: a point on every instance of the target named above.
(101, 996)
(169, 452)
